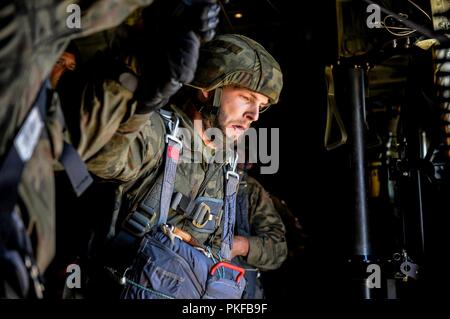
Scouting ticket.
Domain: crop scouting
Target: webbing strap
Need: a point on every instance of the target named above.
(21, 150)
(23, 147)
(75, 168)
(154, 209)
(229, 215)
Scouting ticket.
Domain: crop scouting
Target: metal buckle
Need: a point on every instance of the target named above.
(202, 213)
(168, 229)
(233, 164)
(137, 224)
(175, 139)
(234, 174)
(173, 133)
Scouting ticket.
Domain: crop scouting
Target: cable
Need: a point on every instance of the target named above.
(273, 6)
(227, 18)
(419, 8)
(406, 31)
(421, 29)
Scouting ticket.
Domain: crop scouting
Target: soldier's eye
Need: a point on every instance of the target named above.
(60, 62)
(245, 98)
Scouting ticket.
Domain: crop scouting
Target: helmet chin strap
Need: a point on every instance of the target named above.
(210, 111)
(217, 97)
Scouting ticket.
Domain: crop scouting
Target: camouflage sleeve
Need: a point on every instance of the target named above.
(33, 36)
(268, 247)
(115, 142)
(104, 105)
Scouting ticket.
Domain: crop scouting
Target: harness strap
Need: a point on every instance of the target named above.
(154, 209)
(229, 216)
(21, 150)
(15, 246)
(75, 168)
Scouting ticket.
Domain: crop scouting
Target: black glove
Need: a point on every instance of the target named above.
(200, 16)
(161, 82)
(165, 71)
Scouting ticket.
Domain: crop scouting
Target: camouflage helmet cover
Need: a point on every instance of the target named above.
(233, 59)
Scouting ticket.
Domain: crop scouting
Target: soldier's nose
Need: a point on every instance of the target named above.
(252, 113)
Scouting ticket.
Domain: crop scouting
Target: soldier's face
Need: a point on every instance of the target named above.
(66, 62)
(239, 108)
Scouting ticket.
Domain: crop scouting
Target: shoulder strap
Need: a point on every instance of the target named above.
(74, 166)
(165, 184)
(21, 150)
(16, 254)
(229, 215)
(154, 209)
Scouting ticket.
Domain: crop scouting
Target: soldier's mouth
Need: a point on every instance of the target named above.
(239, 127)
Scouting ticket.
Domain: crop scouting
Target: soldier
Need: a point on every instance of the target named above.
(261, 243)
(34, 34)
(235, 79)
(66, 62)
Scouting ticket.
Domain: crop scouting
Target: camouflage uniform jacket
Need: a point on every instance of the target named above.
(33, 36)
(268, 248)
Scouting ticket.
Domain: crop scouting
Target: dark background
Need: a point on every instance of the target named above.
(317, 184)
(313, 182)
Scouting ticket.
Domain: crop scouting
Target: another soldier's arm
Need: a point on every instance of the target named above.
(121, 142)
(267, 245)
(100, 108)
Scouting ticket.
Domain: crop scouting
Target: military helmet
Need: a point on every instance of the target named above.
(233, 59)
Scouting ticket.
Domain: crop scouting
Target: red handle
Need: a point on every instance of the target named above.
(230, 266)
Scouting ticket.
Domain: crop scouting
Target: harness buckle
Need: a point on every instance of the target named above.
(173, 132)
(137, 224)
(202, 215)
(232, 171)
